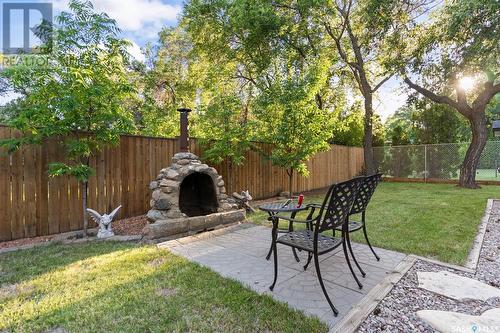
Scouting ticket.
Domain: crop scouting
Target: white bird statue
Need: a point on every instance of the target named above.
(104, 222)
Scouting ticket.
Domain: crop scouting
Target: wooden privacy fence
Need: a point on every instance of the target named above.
(33, 204)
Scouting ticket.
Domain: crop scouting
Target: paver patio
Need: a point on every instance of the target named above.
(239, 253)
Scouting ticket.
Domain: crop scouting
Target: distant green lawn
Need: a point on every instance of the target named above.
(117, 287)
(432, 220)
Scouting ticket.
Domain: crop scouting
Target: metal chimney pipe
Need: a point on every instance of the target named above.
(184, 137)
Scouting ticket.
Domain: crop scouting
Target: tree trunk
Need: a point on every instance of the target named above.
(479, 137)
(368, 136)
(290, 182)
(85, 186)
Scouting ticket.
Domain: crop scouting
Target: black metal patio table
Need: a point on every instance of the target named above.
(275, 208)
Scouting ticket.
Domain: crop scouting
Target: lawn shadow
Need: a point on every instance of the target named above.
(22, 265)
(173, 295)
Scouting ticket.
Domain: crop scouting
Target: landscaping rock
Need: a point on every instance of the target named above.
(184, 156)
(155, 215)
(406, 298)
(172, 174)
(455, 286)
(162, 204)
(448, 322)
(181, 226)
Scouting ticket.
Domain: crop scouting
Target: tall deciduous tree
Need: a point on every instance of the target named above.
(451, 52)
(292, 121)
(169, 80)
(362, 32)
(225, 131)
(82, 88)
(353, 36)
(280, 61)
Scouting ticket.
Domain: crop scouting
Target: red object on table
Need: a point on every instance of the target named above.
(300, 199)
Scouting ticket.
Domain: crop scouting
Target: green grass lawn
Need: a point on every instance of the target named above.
(117, 287)
(431, 220)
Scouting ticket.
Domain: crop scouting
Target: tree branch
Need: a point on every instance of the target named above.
(436, 98)
(490, 90)
(384, 80)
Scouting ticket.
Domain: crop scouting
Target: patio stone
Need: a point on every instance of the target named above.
(449, 322)
(240, 255)
(455, 286)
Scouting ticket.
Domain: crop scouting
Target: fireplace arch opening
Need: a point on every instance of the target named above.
(197, 195)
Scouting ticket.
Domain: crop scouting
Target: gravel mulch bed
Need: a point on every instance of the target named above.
(397, 311)
(130, 226)
(25, 241)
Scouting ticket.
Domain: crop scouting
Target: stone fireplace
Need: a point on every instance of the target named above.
(188, 197)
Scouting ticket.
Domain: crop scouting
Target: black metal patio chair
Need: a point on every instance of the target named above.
(333, 214)
(365, 193)
(362, 200)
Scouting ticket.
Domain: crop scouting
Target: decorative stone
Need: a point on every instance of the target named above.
(157, 194)
(155, 215)
(183, 162)
(450, 322)
(172, 227)
(184, 156)
(174, 214)
(455, 286)
(165, 228)
(170, 183)
(222, 190)
(172, 174)
(162, 204)
(220, 183)
(223, 196)
(201, 168)
(153, 185)
(226, 206)
(167, 189)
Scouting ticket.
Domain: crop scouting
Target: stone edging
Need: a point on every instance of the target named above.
(225, 229)
(358, 314)
(473, 257)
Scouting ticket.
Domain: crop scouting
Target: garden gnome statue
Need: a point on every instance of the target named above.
(104, 222)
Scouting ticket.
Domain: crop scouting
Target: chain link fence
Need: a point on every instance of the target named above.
(437, 161)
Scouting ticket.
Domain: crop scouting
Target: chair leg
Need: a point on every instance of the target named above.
(270, 252)
(366, 236)
(352, 255)
(344, 246)
(275, 255)
(318, 272)
(309, 257)
(290, 228)
(368, 242)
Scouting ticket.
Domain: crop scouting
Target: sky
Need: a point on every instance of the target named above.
(142, 20)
